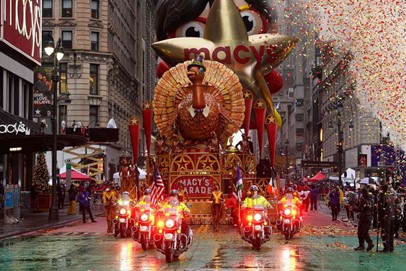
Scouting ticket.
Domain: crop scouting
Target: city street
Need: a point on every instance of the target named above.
(322, 245)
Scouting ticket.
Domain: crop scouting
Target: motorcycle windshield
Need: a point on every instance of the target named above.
(258, 208)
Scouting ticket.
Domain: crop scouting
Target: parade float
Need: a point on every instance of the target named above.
(207, 95)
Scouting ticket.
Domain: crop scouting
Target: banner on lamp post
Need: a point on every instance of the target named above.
(147, 121)
(260, 112)
(271, 128)
(248, 108)
(134, 127)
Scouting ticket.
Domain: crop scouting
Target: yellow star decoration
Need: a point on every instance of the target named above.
(270, 119)
(247, 95)
(134, 120)
(183, 163)
(226, 41)
(146, 105)
(207, 162)
(259, 104)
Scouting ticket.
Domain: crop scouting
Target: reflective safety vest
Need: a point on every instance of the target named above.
(217, 196)
(256, 201)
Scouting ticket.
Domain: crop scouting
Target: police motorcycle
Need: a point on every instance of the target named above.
(252, 229)
(289, 221)
(144, 227)
(169, 237)
(124, 220)
(255, 227)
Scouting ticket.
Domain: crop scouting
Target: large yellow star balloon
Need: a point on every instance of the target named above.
(226, 41)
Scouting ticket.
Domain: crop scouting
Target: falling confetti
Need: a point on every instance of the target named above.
(374, 31)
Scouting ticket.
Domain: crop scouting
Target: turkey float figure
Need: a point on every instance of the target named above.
(196, 98)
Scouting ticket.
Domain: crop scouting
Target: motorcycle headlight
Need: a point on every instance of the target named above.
(144, 217)
(160, 224)
(257, 217)
(287, 212)
(170, 223)
(123, 211)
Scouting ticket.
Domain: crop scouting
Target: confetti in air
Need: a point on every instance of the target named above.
(374, 31)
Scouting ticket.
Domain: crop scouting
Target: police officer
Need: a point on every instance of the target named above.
(386, 217)
(173, 202)
(146, 198)
(258, 200)
(365, 209)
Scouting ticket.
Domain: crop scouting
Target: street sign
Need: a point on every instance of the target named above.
(318, 164)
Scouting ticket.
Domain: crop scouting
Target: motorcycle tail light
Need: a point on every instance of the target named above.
(257, 217)
(287, 212)
(249, 217)
(144, 217)
(123, 211)
(160, 224)
(170, 223)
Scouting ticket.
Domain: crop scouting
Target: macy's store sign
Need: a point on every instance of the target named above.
(21, 27)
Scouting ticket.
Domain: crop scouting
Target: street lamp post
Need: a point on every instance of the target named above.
(57, 52)
(287, 158)
(339, 149)
(340, 140)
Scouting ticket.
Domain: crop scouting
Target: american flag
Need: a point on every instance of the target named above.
(158, 187)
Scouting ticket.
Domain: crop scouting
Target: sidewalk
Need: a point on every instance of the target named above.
(36, 221)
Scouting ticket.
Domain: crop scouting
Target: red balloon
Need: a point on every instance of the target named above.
(161, 69)
(274, 81)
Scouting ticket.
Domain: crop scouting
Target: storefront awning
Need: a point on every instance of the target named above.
(37, 143)
(23, 135)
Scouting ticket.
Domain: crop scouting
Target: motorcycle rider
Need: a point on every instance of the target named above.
(126, 200)
(257, 200)
(173, 202)
(145, 199)
(109, 201)
(290, 198)
(143, 202)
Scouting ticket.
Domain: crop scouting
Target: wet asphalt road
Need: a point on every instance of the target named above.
(88, 247)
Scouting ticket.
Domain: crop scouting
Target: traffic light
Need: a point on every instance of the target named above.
(339, 147)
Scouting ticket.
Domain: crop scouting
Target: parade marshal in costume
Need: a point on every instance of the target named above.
(216, 207)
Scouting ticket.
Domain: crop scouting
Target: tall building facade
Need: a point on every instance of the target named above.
(106, 68)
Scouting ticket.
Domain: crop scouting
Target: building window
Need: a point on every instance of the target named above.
(46, 38)
(95, 9)
(299, 131)
(95, 41)
(63, 78)
(67, 8)
(94, 79)
(63, 109)
(47, 6)
(93, 116)
(67, 39)
(299, 117)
